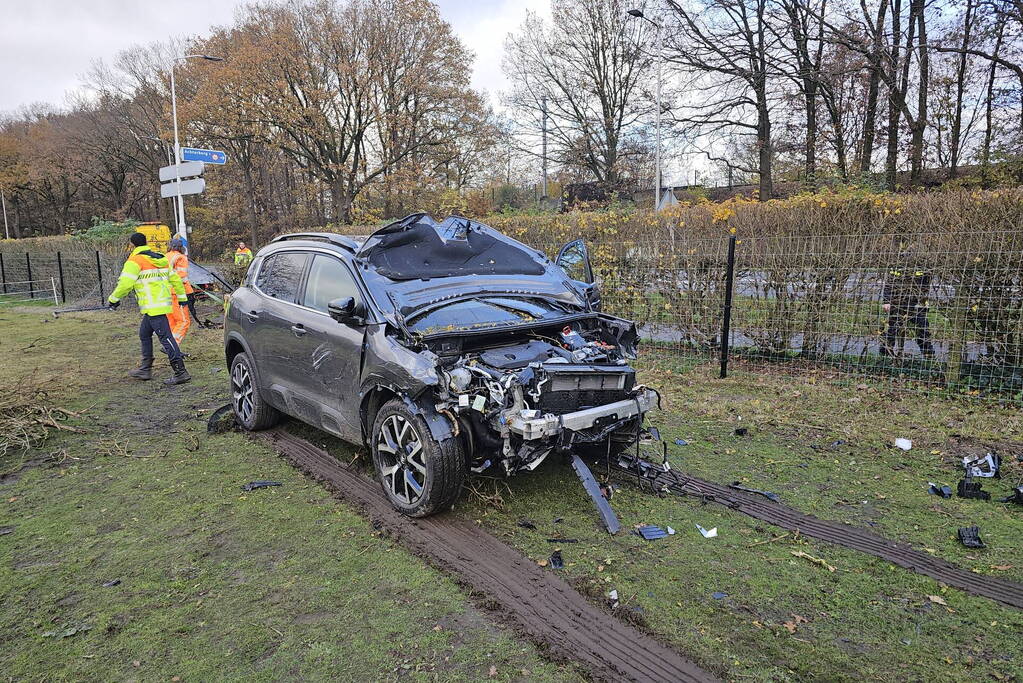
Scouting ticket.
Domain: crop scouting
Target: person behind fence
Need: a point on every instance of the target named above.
(155, 284)
(242, 255)
(905, 301)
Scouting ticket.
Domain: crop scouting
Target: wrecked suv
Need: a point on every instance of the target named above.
(443, 347)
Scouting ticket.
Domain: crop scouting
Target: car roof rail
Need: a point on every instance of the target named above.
(335, 239)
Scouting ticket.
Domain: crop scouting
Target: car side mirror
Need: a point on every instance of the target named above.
(345, 310)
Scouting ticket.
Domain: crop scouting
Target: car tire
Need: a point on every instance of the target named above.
(251, 411)
(419, 475)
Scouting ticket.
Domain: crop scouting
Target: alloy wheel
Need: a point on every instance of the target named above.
(402, 459)
(241, 391)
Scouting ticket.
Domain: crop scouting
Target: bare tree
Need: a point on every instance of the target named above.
(586, 69)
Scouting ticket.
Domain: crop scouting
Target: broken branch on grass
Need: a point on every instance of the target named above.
(815, 560)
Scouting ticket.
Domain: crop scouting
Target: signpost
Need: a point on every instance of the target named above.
(182, 187)
(210, 156)
(189, 169)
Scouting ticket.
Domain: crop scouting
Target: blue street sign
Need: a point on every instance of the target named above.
(210, 156)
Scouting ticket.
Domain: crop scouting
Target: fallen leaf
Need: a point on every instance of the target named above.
(937, 600)
(790, 625)
(542, 563)
(1001, 567)
(493, 671)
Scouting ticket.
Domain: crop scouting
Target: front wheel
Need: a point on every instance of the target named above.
(252, 412)
(419, 474)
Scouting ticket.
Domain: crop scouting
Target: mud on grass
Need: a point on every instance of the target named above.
(212, 582)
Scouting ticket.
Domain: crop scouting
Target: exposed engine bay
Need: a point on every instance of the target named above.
(518, 400)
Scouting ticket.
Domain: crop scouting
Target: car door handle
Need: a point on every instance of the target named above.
(252, 316)
(298, 329)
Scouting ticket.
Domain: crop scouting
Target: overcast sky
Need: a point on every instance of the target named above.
(46, 45)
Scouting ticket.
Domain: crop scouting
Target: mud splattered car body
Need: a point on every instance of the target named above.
(444, 347)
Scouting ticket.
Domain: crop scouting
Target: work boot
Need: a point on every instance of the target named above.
(180, 375)
(144, 371)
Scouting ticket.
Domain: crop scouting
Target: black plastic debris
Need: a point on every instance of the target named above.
(936, 490)
(253, 485)
(741, 431)
(4, 530)
(968, 488)
(557, 562)
(111, 584)
(607, 490)
(970, 537)
(222, 420)
(562, 540)
(766, 494)
(607, 515)
(1016, 497)
(526, 524)
(681, 442)
(651, 532)
(559, 520)
(655, 433)
(718, 595)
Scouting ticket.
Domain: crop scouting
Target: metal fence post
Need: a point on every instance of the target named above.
(60, 271)
(3, 272)
(726, 321)
(28, 265)
(99, 276)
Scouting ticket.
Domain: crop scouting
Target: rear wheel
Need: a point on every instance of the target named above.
(252, 412)
(419, 474)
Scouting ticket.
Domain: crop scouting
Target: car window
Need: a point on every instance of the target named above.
(281, 276)
(329, 279)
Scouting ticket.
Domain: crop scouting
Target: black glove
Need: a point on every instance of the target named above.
(112, 305)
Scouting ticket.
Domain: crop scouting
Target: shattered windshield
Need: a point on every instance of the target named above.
(481, 313)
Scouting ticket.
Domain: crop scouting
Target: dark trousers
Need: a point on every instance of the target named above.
(915, 317)
(191, 306)
(158, 325)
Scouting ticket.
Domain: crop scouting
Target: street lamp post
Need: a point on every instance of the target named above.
(182, 228)
(638, 13)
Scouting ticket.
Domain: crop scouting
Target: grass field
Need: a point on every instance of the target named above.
(288, 583)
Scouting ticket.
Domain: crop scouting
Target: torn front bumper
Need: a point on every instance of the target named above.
(548, 426)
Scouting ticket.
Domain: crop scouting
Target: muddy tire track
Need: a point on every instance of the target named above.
(542, 607)
(855, 538)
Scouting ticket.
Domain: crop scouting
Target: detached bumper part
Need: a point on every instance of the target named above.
(547, 426)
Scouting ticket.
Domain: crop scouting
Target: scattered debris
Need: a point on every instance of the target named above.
(111, 584)
(253, 485)
(1016, 497)
(937, 600)
(766, 494)
(525, 524)
(708, 534)
(68, 632)
(792, 625)
(719, 595)
(612, 600)
(651, 532)
(816, 560)
(607, 515)
(968, 488)
(741, 431)
(607, 490)
(904, 444)
(681, 442)
(558, 520)
(988, 466)
(969, 536)
(557, 562)
(671, 532)
(937, 490)
(4, 530)
(220, 421)
(562, 540)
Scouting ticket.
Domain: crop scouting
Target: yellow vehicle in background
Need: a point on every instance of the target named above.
(157, 235)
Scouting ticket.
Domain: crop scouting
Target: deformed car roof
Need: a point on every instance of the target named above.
(419, 248)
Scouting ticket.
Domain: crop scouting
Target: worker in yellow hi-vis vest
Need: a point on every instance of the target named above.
(155, 284)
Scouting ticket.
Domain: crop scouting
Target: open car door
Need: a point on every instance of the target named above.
(574, 259)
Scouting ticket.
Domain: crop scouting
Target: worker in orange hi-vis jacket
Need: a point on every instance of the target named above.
(179, 317)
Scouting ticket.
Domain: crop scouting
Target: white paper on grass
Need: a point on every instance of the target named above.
(708, 534)
(904, 444)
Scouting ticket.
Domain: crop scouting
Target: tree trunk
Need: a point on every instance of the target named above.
(764, 144)
(870, 118)
(957, 121)
(894, 110)
(920, 124)
(989, 106)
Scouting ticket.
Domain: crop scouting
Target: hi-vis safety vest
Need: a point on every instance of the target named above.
(242, 257)
(179, 262)
(152, 279)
